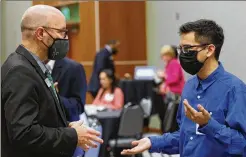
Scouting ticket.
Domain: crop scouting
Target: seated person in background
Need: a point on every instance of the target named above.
(109, 94)
(173, 75)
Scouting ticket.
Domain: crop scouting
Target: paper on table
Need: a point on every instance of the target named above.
(93, 109)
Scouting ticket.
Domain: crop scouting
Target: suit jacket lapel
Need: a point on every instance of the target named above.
(24, 52)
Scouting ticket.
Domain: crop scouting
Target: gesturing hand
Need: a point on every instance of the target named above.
(86, 136)
(202, 117)
(140, 146)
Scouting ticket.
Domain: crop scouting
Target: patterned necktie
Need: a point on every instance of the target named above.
(52, 83)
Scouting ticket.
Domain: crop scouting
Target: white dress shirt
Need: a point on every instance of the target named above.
(50, 65)
(108, 48)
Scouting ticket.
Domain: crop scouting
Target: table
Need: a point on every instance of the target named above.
(109, 120)
(135, 90)
(108, 114)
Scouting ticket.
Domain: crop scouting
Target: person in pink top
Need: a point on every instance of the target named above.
(173, 75)
(109, 94)
(173, 79)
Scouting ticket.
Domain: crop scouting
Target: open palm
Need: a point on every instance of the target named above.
(139, 147)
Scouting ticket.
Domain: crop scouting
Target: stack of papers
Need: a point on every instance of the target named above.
(93, 109)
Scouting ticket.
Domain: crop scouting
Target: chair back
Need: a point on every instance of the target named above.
(131, 122)
(169, 122)
(146, 105)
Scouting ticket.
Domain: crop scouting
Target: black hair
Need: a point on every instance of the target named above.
(112, 42)
(206, 32)
(110, 74)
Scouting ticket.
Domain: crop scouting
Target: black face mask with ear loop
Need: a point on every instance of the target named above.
(58, 49)
(189, 61)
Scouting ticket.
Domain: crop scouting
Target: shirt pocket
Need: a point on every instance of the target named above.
(218, 115)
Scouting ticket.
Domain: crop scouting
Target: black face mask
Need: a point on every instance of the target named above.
(58, 49)
(189, 61)
(114, 51)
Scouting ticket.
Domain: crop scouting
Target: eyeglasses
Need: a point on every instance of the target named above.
(64, 32)
(187, 48)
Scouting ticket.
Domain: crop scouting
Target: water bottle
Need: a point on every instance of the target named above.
(94, 124)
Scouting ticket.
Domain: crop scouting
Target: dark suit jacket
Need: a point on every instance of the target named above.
(102, 61)
(33, 121)
(72, 86)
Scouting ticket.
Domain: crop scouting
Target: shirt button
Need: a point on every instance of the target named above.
(191, 138)
(198, 97)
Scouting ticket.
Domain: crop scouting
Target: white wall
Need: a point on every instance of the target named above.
(1, 32)
(11, 16)
(163, 25)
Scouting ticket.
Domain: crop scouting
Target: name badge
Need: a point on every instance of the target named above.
(197, 126)
(109, 97)
(47, 81)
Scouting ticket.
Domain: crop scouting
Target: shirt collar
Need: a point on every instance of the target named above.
(50, 65)
(40, 63)
(210, 79)
(108, 48)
